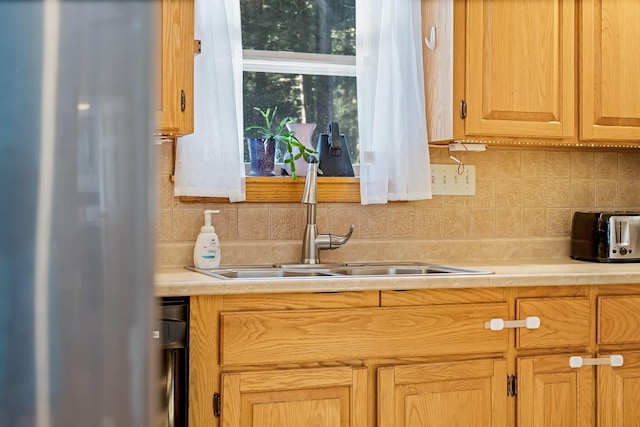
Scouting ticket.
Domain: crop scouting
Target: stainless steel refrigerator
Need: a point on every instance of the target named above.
(76, 213)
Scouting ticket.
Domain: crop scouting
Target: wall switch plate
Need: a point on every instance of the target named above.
(445, 180)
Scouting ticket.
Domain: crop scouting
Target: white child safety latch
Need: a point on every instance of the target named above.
(531, 322)
(614, 360)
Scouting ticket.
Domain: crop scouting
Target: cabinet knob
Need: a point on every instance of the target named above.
(614, 360)
(531, 322)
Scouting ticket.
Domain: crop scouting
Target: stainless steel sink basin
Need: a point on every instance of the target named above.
(258, 273)
(289, 271)
(395, 270)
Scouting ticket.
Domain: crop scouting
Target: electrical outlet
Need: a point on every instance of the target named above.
(445, 180)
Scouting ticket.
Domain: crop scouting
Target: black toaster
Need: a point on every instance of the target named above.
(606, 236)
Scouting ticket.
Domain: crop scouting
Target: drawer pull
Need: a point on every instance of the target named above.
(614, 360)
(531, 322)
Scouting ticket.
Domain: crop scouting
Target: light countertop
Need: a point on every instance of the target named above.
(506, 273)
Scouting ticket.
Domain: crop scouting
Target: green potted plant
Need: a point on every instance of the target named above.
(262, 149)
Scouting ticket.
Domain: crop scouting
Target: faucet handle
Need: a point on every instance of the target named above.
(333, 241)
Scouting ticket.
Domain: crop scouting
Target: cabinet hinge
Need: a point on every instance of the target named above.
(183, 101)
(512, 385)
(463, 109)
(216, 405)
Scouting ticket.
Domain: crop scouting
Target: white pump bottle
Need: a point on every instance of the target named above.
(206, 253)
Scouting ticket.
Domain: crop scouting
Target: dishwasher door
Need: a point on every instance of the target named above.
(173, 336)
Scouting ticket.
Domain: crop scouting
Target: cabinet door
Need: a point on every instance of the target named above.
(610, 57)
(452, 394)
(618, 391)
(550, 393)
(324, 397)
(174, 109)
(520, 76)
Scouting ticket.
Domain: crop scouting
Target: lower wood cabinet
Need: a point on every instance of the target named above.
(467, 393)
(327, 397)
(422, 358)
(619, 392)
(551, 393)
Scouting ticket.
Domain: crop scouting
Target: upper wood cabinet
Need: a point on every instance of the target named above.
(174, 94)
(499, 68)
(539, 71)
(610, 70)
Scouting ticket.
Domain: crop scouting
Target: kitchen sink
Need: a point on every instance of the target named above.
(399, 270)
(284, 271)
(259, 273)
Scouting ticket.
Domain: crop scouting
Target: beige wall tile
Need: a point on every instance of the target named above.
(508, 222)
(253, 223)
(226, 224)
(323, 220)
(629, 166)
(534, 164)
(606, 165)
(187, 224)
(558, 193)
(455, 223)
(533, 222)
(606, 193)
(164, 225)
(401, 222)
(164, 158)
(508, 164)
(164, 194)
(373, 221)
(558, 164)
(485, 194)
(508, 194)
(456, 201)
(583, 193)
(482, 222)
(485, 164)
(558, 222)
(534, 193)
(582, 164)
(628, 193)
(429, 223)
(284, 223)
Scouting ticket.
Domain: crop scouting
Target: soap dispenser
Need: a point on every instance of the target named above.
(206, 253)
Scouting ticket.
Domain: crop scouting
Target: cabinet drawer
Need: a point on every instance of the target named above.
(564, 322)
(618, 319)
(299, 336)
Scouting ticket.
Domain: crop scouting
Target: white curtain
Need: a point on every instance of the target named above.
(394, 153)
(210, 162)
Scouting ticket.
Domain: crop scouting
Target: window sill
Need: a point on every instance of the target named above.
(282, 189)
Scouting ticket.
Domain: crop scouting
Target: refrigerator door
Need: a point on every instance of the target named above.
(76, 213)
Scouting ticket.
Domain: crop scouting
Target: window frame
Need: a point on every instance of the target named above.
(285, 189)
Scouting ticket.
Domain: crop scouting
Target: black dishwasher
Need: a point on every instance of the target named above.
(173, 337)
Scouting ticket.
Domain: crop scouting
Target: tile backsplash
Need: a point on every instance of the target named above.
(523, 207)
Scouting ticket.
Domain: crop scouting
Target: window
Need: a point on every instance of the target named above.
(299, 56)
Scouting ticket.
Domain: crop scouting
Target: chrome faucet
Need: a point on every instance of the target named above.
(312, 242)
